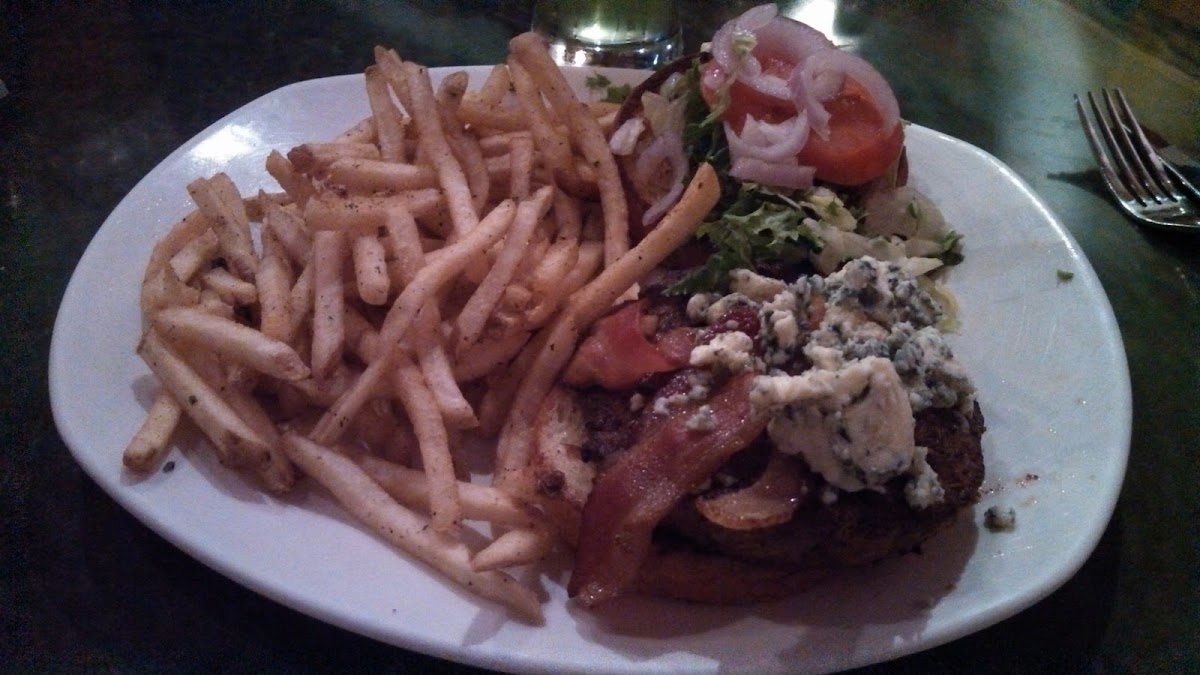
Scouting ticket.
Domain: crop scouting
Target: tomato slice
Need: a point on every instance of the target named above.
(858, 148)
(745, 100)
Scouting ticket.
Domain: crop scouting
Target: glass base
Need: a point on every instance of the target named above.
(626, 55)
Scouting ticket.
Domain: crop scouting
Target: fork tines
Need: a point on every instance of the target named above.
(1146, 187)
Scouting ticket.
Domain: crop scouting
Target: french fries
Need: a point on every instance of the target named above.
(420, 281)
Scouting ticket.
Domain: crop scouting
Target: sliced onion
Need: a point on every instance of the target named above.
(821, 76)
(809, 93)
(789, 41)
(722, 43)
(769, 142)
(625, 138)
(776, 174)
(647, 175)
(665, 116)
(770, 500)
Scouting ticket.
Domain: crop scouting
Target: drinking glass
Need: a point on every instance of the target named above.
(621, 33)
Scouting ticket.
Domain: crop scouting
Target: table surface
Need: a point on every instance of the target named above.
(98, 93)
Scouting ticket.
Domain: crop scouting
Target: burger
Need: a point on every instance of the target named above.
(780, 401)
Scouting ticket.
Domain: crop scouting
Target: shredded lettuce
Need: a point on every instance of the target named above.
(759, 227)
(951, 248)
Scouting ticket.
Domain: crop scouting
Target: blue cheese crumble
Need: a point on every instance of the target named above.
(732, 351)
(877, 357)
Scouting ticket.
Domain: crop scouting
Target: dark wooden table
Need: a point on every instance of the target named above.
(98, 93)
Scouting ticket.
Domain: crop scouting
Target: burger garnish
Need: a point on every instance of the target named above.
(783, 401)
(807, 140)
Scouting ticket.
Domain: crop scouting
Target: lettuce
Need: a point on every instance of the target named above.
(753, 226)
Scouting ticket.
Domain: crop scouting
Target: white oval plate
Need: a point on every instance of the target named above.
(1045, 354)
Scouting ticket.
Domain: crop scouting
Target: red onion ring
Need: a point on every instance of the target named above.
(667, 149)
(722, 43)
(791, 42)
(624, 140)
(775, 174)
(820, 78)
(769, 142)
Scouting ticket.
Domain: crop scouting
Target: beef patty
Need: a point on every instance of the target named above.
(851, 528)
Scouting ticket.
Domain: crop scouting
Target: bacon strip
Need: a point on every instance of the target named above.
(640, 489)
(617, 354)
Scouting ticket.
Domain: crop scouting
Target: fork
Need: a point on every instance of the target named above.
(1146, 186)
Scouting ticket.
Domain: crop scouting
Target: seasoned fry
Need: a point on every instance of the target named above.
(256, 205)
(673, 230)
(474, 315)
(235, 442)
(485, 111)
(290, 230)
(404, 241)
(545, 135)
(553, 352)
(513, 548)
(371, 175)
(445, 508)
(389, 123)
(370, 270)
(296, 185)
(482, 116)
(489, 355)
(329, 332)
(455, 257)
(400, 317)
(402, 237)
(587, 262)
(404, 529)
(300, 300)
(276, 470)
(188, 228)
(231, 340)
(361, 336)
(464, 146)
(213, 304)
(345, 403)
(495, 86)
(412, 488)
(439, 375)
(166, 290)
(589, 304)
(530, 50)
(195, 255)
(221, 204)
(390, 63)
(363, 215)
(153, 438)
(521, 163)
(427, 119)
(274, 290)
(232, 290)
(310, 158)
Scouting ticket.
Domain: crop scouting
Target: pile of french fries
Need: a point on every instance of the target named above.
(421, 279)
